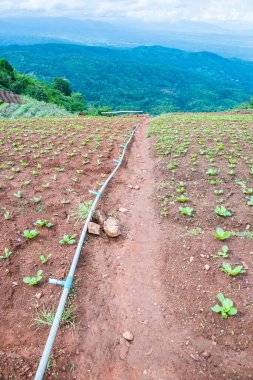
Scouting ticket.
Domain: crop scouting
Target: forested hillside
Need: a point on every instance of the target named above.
(154, 79)
(57, 92)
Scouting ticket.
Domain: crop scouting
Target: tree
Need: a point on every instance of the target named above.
(62, 85)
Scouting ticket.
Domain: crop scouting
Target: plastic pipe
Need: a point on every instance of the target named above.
(68, 282)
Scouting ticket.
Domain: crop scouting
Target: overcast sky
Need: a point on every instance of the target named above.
(212, 11)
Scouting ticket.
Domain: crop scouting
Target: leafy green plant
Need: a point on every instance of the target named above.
(222, 211)
(68, 239)
(250, 201)
(182, 199)
(44, 259)
(7, 253)
(36, 199)
(218, 192)
(222, 253)
(227, 306)
(7, 215)
(221, 234)
(227, 268)
(186, 210)
(211, 172)
(43, 223)
(18, 194)
(33, 280)
(30, 234)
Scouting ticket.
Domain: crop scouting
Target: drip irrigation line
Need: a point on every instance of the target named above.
(69, 280)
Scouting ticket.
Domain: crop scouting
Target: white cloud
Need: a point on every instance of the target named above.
(158, 10)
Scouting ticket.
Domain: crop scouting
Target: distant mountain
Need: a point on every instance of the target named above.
(186, 35)
(154, 79)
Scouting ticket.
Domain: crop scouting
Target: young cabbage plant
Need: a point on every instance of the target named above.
(227, 306)
(33, 280)
(227, 268)
(7, 253)
(186, 210)
(68, 239)
(221, 234)
(30, 234)
(222, 211)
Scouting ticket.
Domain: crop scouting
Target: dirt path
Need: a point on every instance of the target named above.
(124, 291)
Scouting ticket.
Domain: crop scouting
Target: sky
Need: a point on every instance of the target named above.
(211, 11)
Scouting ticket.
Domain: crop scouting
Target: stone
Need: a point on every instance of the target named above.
(206, 354)
(207, 267)
(128, 335)
(137, 187)
(39, 295)
(122, 209)
(94, 228)
(100, 217)
(112, 227)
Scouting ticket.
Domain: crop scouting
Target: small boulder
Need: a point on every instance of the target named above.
(112, 227)
(128, 335)
(100, 216)
(94, 229)
(122, 209)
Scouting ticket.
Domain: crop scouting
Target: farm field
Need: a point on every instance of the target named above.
(186, 191)
(204, 187)
(47, 168)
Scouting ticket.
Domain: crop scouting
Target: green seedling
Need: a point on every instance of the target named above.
(222, 211)
(43, 223)
(211, 172)
(68, 239)
(18, 194)
(16, 170)
(36, 199)
(218, 192)
(59, 169)
(221, 234)
(248, 191)
(227, 306)
(181, 190)
(33, 280)
(186, 210)
(7, 215)
(182, 199)
(250, 201)
(30, 234)
(227, 268)
(44, 259)
(7, 254)
(223, 253)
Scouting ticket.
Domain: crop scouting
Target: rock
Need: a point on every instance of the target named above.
(191, 259)
(128, 335)
(248, 227)
(130, 186)
(207, 267)
(39, 295)
(112, 227)
(137, 187)
(100, 216)
(122, 209)
(94, 229)
(206, 354)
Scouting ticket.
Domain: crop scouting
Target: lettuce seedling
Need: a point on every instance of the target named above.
(30, 234)
(223, 253)
(68, 239)
(182, 199)
(222, 211)
(33, 280)
(43, 223)
(44, 259)
(186, 210)
(227, 268)
(227, 307)
(221, 234)
(7, 254)
(211, 172)
(250, 201)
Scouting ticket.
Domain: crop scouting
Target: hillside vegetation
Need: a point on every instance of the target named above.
(154, 79)
(57, 92)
